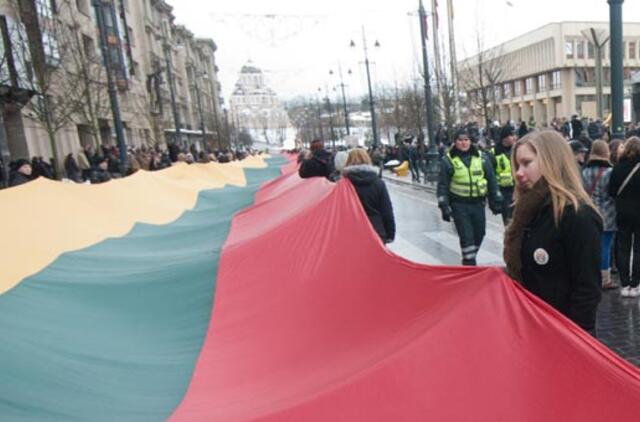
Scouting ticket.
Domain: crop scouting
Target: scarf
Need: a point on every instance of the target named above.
(528, 207)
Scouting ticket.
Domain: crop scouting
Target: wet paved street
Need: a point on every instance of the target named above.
(423, 237)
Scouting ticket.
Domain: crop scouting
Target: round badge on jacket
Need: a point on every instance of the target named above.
(541, 256)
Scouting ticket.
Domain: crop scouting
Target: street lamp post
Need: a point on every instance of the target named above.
(329, 108)
(617, 73)
(319, 116)
(344, 97)
(371, 104)
(111, 85)
(427, 84)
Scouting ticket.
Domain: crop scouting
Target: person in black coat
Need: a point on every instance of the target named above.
(21, 172)
(627, 217)
(101, 173)
(71, 168)
(318, 164)
(576, 127)
(372, 192)
(552, 245)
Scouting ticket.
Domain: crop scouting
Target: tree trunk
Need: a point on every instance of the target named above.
(57, 162)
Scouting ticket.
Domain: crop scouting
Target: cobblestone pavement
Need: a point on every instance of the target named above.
(423, 237)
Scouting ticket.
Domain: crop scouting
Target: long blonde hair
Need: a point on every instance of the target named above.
(358, 156)
(559, 169)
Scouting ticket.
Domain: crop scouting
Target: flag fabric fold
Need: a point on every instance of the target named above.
(316, 320)
(275, 300)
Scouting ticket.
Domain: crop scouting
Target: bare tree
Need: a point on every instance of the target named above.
(481, 75)
(85, 73)
(388, 109)
(55, 103)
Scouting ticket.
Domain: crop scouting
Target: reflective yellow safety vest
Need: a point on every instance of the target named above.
(503, 171)
(468, 182)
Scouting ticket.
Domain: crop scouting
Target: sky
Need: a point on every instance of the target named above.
(296, 42)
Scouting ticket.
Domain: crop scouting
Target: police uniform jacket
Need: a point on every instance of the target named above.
(445, 197)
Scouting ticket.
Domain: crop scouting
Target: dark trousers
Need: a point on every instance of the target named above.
(507, 205)
(415, 170)
(628, 248)
(470, 221)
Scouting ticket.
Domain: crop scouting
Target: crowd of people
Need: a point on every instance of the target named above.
(568, 196)
(91, 165)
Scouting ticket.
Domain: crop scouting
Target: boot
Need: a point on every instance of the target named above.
(469, 262)
(607, 283)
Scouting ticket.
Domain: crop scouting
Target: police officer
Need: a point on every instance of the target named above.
(501, 161)
(466, 180)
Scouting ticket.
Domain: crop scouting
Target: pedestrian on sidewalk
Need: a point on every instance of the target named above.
(501, 161)
(625, 187)
(552, 245)
(414, 159)
(466, 180)
(372, 193)
(595, 177)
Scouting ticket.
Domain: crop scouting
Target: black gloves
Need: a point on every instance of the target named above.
(446, 212)
(495, 207)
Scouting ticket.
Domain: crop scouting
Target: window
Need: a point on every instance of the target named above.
(555, 80)
(528, 86)
(582, 77)
(83, 6)
(580, 49)
(130, 37)
(568, 49)
(45, 8)
(88, 45)
(632, 49)
(135, 69)
(542, 83)
(516, 89)
(507, 90)
(590, 50)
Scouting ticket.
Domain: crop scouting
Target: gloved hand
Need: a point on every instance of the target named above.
(495, 207)
(446, 212)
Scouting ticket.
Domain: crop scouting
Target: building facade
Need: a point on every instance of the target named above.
(547, 73)
(256, 109)
(148, 53)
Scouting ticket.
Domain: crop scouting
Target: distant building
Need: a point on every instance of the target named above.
(140, 38)
(550, 72)
(255, 107)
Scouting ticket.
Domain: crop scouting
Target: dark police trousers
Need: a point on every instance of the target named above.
(470, 221)
(507, 205)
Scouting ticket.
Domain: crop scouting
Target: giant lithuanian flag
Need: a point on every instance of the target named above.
(206, 293)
